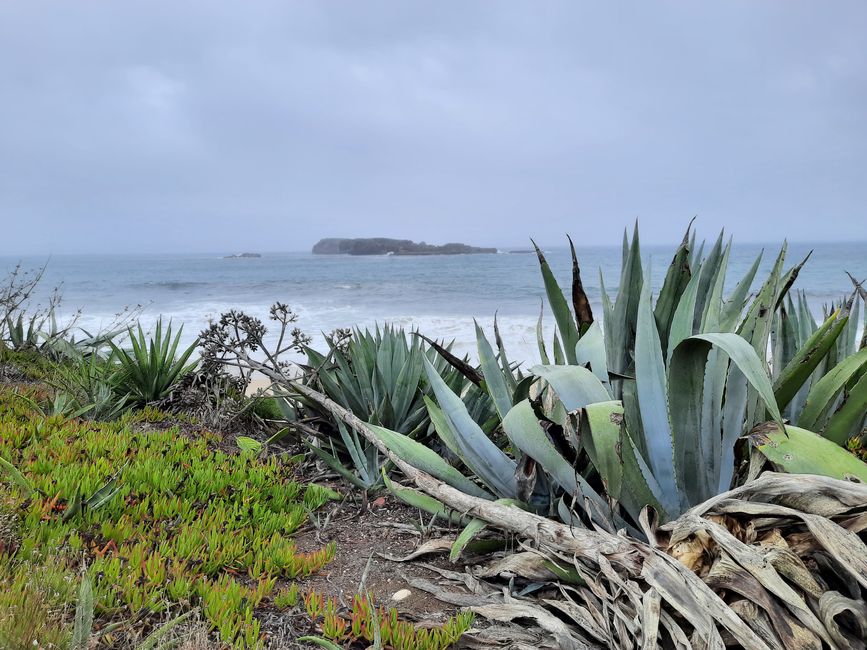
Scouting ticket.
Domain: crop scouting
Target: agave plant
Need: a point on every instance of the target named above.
(152, 367)
(646, 410)
(379, 376)
(88, 385)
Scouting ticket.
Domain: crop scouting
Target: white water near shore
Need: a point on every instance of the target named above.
(438, 295)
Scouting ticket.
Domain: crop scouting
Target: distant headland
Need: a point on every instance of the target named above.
(241, 255)
(385, 246)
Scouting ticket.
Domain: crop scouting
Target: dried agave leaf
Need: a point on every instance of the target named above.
(752, 561)
(530, 566)
(651, 606)
(452, 597)
(509, 635)
(758, 620)
(833, 604)
(564, 636)
(689, 596)
(439, 545)
(727, 574)
(791, 567)
(582, 617)
(844, 545)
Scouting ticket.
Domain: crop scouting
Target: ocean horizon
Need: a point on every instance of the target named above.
(440, 295)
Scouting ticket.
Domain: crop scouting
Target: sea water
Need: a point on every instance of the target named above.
(438, 295)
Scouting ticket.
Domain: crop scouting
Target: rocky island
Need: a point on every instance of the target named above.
(386, 246)
(237, 256)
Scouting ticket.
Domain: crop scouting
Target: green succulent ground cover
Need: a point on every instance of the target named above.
(163, 522)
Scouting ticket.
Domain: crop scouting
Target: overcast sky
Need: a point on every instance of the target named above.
(224, 126)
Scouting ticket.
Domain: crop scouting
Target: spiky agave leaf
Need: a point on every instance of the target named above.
(152, 366)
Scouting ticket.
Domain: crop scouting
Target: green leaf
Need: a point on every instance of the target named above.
(83, 616)
(849, 416)
(576, 386)
(798, 451)
(524, 431)
(807, 358)
(248, 445)
(683, 321)
(16, 477)
(495, 382)
(472, 529)
(334, 463)
(590, 350)
(427, 460)
(422, 501)
(318, 640)
(696, 453)
(540, 339)
(676, 280)
(559, 306)
(155, 638)
(479, 453)
(824, 392)
(615, 457)
(652, 392)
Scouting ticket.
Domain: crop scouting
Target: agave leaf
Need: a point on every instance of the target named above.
(621, 323)
(788, 280)
(479, 453)
(652, 393)
(540, 339)
(511, 382)
(338, 467)
(683, 320)
(590, 350)
(676, 280)
(320, 641)
(495, 382)
(105, 493)
(83, 625)
(849, 416)
(733, 307)
(742, 409)
(695, 451)
(356, 450)
(576, 386)
(248, 445)
(712, 313)
(427, 460)
(472, 529)
(444, 428)
(580, 302)
(524, 431)
(807, 358)
(458, 364)
(711, 267)
(16, 477)
(755, 327)
(154, 639)
(799, 451)
(824, 393)
(615, 457)
(559, 306)
(422, 501)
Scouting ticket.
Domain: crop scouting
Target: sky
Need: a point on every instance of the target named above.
(264, 126)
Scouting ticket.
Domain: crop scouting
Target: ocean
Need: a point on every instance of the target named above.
(439, 295)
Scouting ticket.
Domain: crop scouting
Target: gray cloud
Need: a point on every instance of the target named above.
(267, 125)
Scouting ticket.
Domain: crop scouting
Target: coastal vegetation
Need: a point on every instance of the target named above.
(685, 471)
